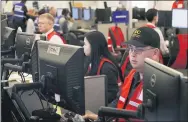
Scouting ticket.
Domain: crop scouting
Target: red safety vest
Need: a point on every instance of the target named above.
(103, 60)
(124, 66)
(49, 36)
(136, 98)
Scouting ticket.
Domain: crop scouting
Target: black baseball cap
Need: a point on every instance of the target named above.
(144, 36)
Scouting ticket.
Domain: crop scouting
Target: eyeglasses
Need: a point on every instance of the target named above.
(137, 50)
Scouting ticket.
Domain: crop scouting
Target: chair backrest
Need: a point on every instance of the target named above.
(26, 99)
(72, 39)
(182, 54)
(113, 39)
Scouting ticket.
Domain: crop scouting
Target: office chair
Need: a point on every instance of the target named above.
(179, 52)
(72, 39)
(29, 103)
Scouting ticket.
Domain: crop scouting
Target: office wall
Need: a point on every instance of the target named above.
(65, 4)
(160, 5)
(164, 5)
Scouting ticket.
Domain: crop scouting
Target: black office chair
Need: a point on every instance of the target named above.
(79, 34)
(72, 39)
(26, 97)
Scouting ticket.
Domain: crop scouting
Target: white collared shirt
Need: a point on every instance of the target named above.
(163, 45)
(54, 39)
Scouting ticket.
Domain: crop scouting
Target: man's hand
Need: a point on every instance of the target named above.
(90, 115)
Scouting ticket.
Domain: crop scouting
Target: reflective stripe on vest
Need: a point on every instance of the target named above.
(103, 60)
(136, 98)
(18, 12)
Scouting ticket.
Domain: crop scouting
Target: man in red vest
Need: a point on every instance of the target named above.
(144, 43)
(46, 24)
(152, 18)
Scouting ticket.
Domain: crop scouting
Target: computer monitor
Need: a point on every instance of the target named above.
(103, 15)
(161, 93)
(91, 84)
(8, 39)
(24, 42)
(87, 14)
(179, 18)
(139, 13)
(59, 11)
(63, 74)
(164, 19)
(92, 13)
(75, 12)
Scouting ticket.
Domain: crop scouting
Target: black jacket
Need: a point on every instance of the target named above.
(111, 72)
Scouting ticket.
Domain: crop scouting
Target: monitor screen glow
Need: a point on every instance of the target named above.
(87, 14)
(75, 13)
(179, 18)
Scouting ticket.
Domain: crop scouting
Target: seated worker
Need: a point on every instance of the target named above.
(66, 23)
(102, 62)
(144, 43)
(20, 15)
(45, 24)
(152, 18)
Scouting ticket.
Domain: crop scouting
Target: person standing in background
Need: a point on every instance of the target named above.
(20, 15)
(152, 18)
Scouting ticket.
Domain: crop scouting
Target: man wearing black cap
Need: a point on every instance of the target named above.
(144, 43)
